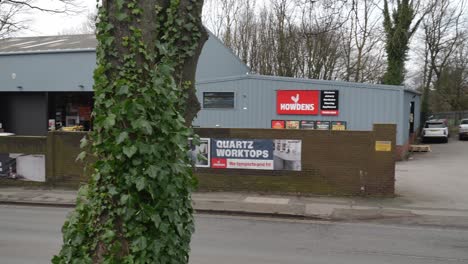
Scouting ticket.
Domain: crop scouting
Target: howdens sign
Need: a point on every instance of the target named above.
(297, 102)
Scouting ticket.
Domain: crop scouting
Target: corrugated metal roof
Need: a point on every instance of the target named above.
(310, 81)
(45, 44)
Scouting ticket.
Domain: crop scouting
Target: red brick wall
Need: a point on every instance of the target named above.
(402, 150)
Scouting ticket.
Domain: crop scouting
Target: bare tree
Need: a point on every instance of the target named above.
(319, 39)
(12, 11)
(9, 19)
(212, 17)
(442, 36)
(366, 35)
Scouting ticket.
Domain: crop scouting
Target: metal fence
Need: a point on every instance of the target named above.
(452, 117)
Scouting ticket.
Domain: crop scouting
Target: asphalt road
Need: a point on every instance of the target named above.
(32, 235)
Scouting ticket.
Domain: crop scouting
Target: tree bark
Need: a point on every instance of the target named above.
(137, 207)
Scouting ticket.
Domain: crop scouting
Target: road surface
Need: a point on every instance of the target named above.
(436, 180)
(32, 235)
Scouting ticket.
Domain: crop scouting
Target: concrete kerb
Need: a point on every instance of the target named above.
(336, 209)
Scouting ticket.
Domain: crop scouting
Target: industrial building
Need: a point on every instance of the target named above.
(50, 78)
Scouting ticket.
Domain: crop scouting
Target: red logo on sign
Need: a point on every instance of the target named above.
(218, 163)
(297, 102)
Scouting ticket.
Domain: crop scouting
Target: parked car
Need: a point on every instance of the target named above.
(436, 128)
(463, 129)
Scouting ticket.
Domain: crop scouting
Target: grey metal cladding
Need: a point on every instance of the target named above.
(216, 60)
(70, 72)
(361, 105)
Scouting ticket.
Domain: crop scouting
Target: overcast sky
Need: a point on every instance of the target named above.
(45, 24)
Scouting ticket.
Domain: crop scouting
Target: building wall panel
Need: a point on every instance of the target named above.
(360, 106)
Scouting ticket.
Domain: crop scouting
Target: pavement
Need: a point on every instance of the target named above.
(324, 208)
(431, 189)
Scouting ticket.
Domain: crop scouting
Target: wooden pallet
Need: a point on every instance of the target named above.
(420, 148)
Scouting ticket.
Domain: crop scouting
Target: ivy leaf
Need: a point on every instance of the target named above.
(109, 40)
(189, 26)
(152, 171)
(77, 239)
(109, 27)
(109, 122)
(121, 16)
(164, 227)
(122, 137)
(81, 156)
(119, 4)
(156, 219)
(83, 142)
(143, 125)
(140, 183)
(108, 235)
(124, 198)
(140, 243)
(123, 90)
(113, 190)
(129, 151)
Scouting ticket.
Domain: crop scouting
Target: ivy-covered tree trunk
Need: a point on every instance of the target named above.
(398, 32)
(137, 205)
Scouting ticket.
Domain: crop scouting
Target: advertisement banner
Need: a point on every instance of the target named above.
(256, 154)
(22, 167)
(329, 104)
(338, 125)
(278, 124)
(305, 124)
(322, 125)
(292, 124)
(297, 102)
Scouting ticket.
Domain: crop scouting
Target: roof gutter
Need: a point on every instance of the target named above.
(47, 51)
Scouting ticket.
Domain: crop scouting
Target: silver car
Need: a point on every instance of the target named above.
(463, 129)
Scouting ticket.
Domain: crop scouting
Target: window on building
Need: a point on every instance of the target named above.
(218, 100)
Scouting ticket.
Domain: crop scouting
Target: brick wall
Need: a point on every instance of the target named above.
(62, 150)
(333, 162)
(402, 150)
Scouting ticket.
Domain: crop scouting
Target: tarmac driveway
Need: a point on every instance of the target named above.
(438, 179)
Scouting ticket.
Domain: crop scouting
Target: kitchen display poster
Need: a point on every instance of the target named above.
(291, 124)
(338, 125)
(255, 154)
(200, 154)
